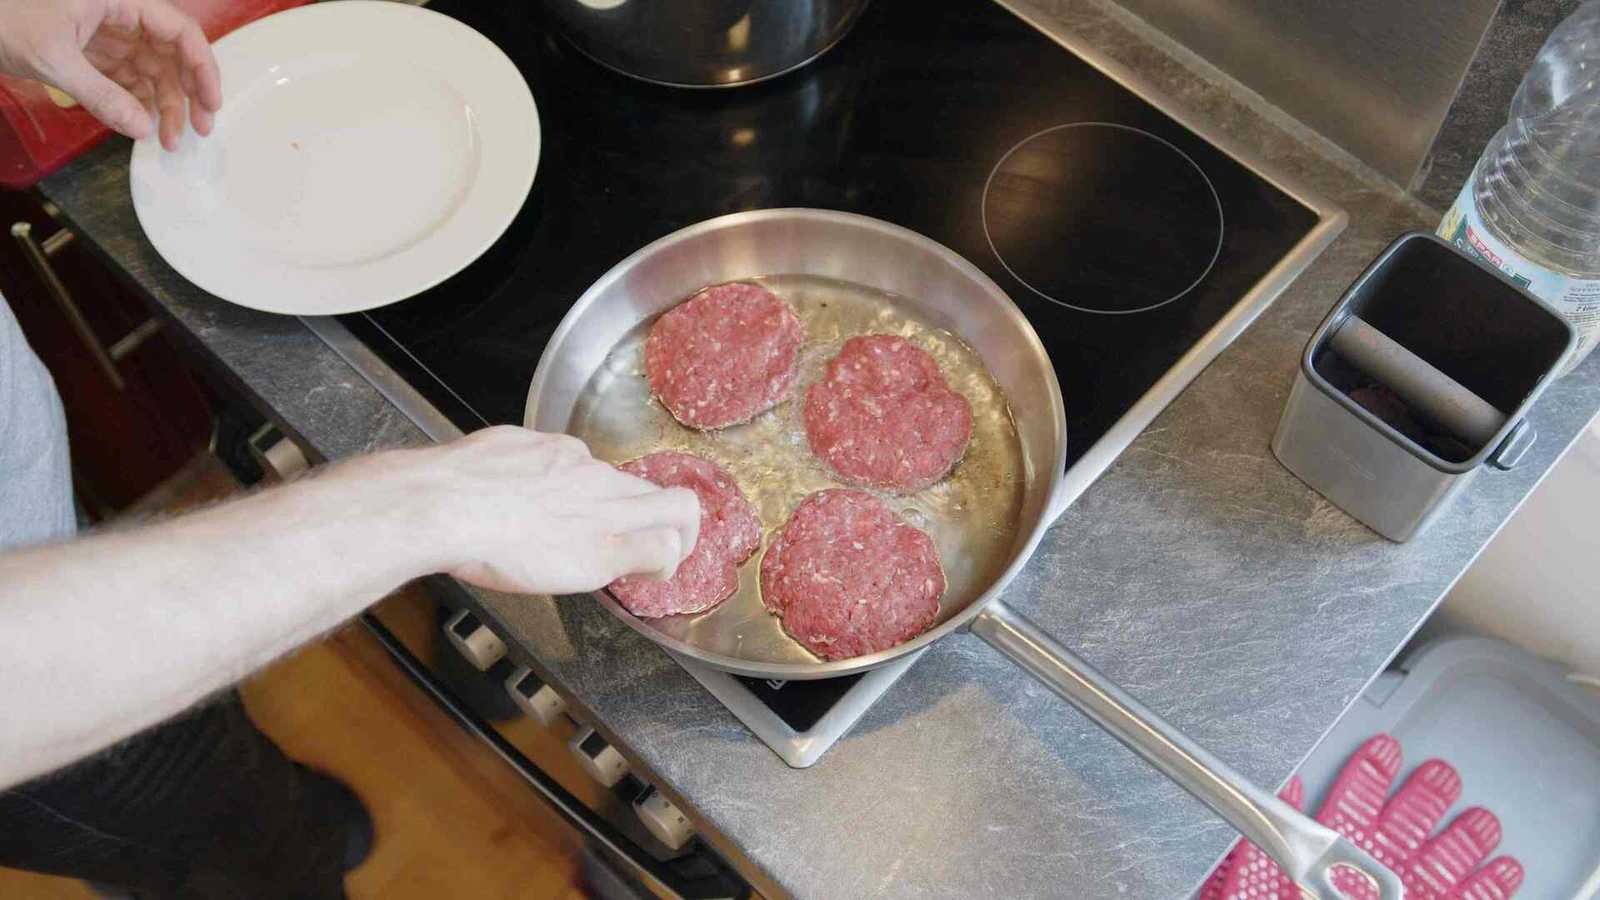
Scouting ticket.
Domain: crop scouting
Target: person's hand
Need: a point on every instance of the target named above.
(528, 512)
(124, 60)
(1396, 830)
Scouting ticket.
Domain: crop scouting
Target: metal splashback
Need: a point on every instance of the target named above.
(1374, 76)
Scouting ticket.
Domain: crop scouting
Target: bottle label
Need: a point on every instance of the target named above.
(1577, 299)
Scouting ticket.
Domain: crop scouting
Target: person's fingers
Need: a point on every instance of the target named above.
(162, 21)
(1356, 798)
(524, 440)
(650, 552)
(128, 34)
(127, 76)
(148, 62)
(170, 102)
(615, 484)
(106, 59)
(140, 87)
(675, 508)
(147, 95)
(114, 50)
(1446, 860)
(564, 444)
(202, 119)
(671, 507)
(104, 98)
(1498, 880)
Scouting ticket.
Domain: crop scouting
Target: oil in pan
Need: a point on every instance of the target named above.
(973, 515)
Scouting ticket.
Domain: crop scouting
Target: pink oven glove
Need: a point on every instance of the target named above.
(1395, 830)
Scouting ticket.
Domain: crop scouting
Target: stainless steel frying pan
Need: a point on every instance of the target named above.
(945, 291)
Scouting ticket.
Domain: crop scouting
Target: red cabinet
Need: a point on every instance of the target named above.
(135, 414)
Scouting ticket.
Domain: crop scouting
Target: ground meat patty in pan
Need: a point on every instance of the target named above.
(849, 577)
(730, 532)
(724, 355)
(883, 415)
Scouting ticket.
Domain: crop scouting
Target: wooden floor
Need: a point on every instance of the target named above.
(452, 819)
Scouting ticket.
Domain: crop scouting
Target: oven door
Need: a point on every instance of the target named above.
(635, 844)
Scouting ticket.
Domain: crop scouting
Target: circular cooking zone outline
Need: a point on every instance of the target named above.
(1035, 279)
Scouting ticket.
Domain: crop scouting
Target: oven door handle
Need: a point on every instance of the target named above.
(616, 845)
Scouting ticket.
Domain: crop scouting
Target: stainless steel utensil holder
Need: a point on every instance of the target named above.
(1464, 353)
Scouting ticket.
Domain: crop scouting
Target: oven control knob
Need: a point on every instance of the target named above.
(598, 758)
(474, 639)
(535, 698)
(663, 820)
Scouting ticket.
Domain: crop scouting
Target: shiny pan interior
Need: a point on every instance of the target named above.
(588, 383)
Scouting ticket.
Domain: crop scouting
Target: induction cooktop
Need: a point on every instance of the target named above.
(1135, 246)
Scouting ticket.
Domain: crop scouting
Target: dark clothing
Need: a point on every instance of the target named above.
(204, 806)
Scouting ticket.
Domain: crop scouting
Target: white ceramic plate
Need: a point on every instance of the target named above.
(366, 150)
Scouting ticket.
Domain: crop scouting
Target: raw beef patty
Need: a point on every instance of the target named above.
(849, 577)
(724, 355)
(729, 533)
(883, 416)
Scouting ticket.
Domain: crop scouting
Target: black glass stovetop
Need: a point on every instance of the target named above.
(1123, 242)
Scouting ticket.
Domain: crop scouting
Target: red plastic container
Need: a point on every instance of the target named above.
(42, 129)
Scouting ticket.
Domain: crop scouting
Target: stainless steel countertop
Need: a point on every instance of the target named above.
(1197, 572)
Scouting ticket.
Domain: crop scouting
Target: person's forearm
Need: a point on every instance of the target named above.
(102, 637)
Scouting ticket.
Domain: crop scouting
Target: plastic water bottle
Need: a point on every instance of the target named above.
(1532, 205)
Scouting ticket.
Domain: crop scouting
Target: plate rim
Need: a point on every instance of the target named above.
(147, 153)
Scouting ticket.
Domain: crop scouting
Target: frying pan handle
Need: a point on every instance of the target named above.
(1304, 849)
